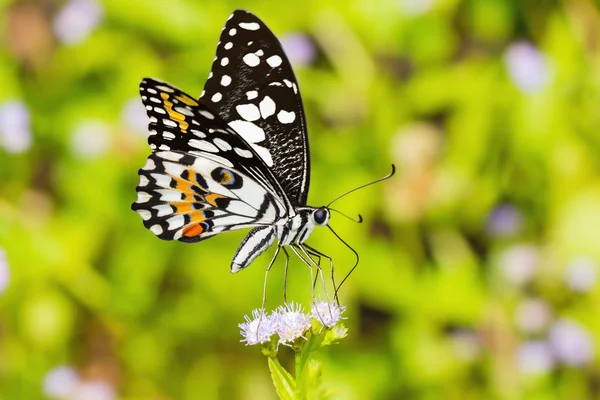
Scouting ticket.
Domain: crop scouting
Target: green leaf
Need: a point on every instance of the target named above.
(285, 385)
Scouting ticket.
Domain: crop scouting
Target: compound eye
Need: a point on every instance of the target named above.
(320, 216)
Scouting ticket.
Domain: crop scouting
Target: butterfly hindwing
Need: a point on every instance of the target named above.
(191, 198)
(252, 86)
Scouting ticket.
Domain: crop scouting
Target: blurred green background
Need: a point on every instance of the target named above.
(479, 260)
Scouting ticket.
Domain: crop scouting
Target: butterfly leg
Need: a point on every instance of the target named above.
(285, 272)
(264, 299)
(319, 273)
(296, 249)
(316, 252)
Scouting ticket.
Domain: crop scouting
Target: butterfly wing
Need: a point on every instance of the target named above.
(202, 178)
(253, 87)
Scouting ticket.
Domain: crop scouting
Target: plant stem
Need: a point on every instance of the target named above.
(298, 371)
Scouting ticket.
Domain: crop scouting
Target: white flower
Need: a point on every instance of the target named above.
(534, 357)
(15, 129)
(527, 67)
(77, 20)
(571, 343)
(291, 323)
(328, 314)
(582, 274)
(94, 390)
(259, 329)
(61, 382)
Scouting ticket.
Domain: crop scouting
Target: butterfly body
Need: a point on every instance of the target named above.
(235, 158)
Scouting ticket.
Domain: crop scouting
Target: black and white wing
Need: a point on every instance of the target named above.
(202, 178)
(252, 86)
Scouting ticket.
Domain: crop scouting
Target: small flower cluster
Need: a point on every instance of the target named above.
(289, 322)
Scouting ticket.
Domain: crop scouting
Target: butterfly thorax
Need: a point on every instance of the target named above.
(299, 227)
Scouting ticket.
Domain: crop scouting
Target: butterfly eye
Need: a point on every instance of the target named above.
(321, 216)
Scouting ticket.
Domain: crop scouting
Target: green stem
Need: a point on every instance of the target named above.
(298, 370)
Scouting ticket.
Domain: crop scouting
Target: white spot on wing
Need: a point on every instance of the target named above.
(198, 133)
(149, 166)
(143, 197)
(260, 53)
(143, 181)
(145, 214)
(168, 155)
(264, 154)
(252, 94)
(170, 123)
(267, 107)
(225, 80)
(165, 88)
(250, 26)
(224, 61)
(274, 61)
(243, 152)
(159, 110)
(286, 117)
(203, 145)
(176, 222)
(184, 111)
(216, 97)
(163, 210)
(251, 60)
(232, 31)
(228, 45)
(157, 229)
(248, 111)
(247, 130)
(222, 144)
(206, 114)
(150, 90)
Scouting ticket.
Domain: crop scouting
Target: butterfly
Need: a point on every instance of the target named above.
(235, 158)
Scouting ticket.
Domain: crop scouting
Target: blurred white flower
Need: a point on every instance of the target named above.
(134, 116)
(299, 49)
(415, 8)
(76, 20)
(519, 263)
(504, 220)
(4, 271)
(15, 131)
(61, 382)
(292, 323)
(527, 67)
(534, 357)
(259, 329)
(532, 315)
(93, 390)
(90, 139)
(328, 314)
(571, 343)
(582, 274)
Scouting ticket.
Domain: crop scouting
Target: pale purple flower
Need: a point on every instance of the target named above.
(94, 390)
(571, 343)
(582, 274)
(504, 220)
(532, 315)
(527, 67)
(328, 314)
(4, 271)
(76, 20)
(90, 139)
(15, 131)
(292, 323)
(61, 382)
(134, 116)
(415, 8)
(519, 263)
(299, 49)
(259, 328)
(534, 357)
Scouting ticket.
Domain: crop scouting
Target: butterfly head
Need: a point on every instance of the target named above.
(321, 216)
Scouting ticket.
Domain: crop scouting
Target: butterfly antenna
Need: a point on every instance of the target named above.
(358, 220)
(388, 176)
(355, 264)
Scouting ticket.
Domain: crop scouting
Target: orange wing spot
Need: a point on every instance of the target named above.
(197, 216)
(179, 117)
(182, 207)
(186, 100)
(192, 230)
(213, 197)
(226, 177)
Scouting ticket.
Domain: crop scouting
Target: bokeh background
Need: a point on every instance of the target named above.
(479, 260)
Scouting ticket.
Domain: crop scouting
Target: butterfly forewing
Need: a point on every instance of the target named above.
(202, 178)
(253, 88)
